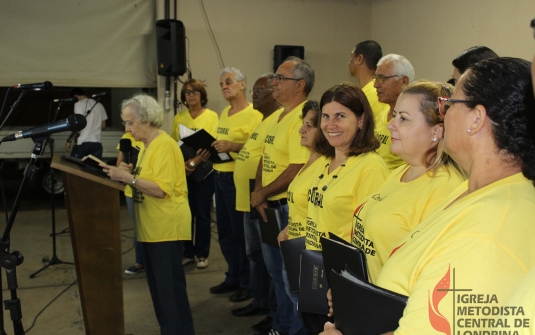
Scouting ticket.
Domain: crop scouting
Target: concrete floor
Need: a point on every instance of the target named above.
(31, 236)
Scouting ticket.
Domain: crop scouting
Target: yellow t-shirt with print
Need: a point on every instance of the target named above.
(167, 219)
(524, 296)
(377, 107)
(207, 120)
(236, 128)
(282, 147)
(333, 197)
(387, 215)
(481, 243)
(297, 197)
(247, 164)
(135, 144)
(380, 117)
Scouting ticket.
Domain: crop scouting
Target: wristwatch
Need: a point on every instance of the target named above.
(134, 182)
(192, 164)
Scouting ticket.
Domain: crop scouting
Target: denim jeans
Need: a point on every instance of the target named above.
(230, 230)
(138, 249)
(200, 200)
(87, 148)
(260, 281)
(284, 316)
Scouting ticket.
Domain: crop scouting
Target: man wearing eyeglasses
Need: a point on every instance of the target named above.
(393, 74)
(244, 172)
(282, 158)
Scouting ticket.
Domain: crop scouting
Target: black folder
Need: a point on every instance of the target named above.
(291, 255)
(362, 308)
(337, 254)
(270, 230)
(253, 213)
(313, 284)
(200, 139)
(202, 170)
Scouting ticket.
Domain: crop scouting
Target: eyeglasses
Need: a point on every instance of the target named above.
(191, 92)
(445, 103)
(259, 90)
(128, 123)
(280, 77)
(381, 79)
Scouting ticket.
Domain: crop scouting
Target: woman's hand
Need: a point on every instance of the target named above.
(126, 167)
(283, 235)
(120, 173)
(330, 303)
(330, 329)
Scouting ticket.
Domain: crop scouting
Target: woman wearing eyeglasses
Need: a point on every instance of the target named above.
(414, 190)
(197, 116)
(480, 239)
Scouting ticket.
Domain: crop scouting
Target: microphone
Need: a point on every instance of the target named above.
(38, 86)
(73, 99)
(125, 146)
(74, 122)
(98, 95)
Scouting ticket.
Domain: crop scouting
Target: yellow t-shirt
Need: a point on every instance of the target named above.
(135, 144)
(297, 197)
(236, 128)
(482, 244)
(380, 117)
(377, 107)
(167, 219)
(282, 147)
(247, 164)
(524, 296)
(387, 215)
(333, 197)
(207, 121)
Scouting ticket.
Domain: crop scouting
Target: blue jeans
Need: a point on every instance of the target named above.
(167, 286)
(200, 200)
(260, 281)
(138, 249)
(230, 230)
(284, 316)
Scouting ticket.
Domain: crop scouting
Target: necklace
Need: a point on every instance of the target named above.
(152, 138)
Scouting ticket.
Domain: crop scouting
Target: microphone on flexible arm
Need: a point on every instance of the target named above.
(37, 86)
(73, 99)
(74, 122)
(125, 146)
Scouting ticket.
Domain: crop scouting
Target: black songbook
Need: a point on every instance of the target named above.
(202, 170)
(270, 230)
(313, 284)
(361, 308)
(79, 162)
(200, 139)
(254, 215)
(336, 255)
(291, 255)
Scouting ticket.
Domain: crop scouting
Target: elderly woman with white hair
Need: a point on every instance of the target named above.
(236, 123)
(162, 214)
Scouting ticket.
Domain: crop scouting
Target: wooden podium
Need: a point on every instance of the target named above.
(92, 202)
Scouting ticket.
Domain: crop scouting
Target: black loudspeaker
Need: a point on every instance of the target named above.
(171, 47)
(281, 52)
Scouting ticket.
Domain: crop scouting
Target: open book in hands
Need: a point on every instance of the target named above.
(200, 139)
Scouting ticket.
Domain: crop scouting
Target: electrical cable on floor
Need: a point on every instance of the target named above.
(50, 303)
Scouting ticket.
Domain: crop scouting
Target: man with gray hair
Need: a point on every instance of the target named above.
(393, 74)
(236, 123)
(282, 158)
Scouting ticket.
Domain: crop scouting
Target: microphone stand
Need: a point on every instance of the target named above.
(54, 260)
(10, 260)
(22, 93)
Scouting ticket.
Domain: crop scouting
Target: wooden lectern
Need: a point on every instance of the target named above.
(92, 201)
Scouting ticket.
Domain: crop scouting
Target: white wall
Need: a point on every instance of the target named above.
(247, 31)
(431, 33)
